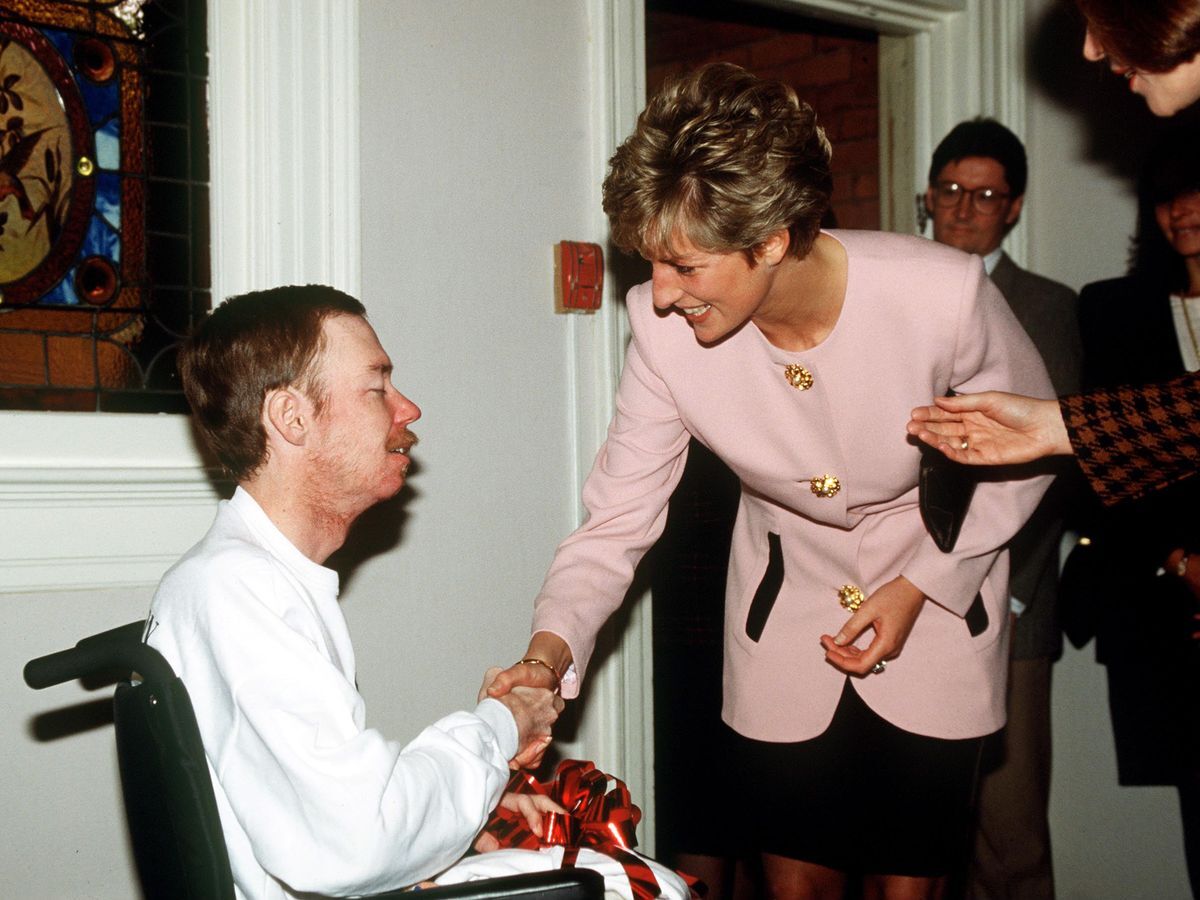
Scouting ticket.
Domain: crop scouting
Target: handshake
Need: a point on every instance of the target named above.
(530, 690)
(535, 706)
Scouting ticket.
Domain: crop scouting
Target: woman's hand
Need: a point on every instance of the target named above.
(891, 611)
(552, 656)
(992, 428)
(1190, 576)
(531, 806)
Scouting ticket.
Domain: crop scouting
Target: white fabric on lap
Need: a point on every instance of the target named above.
(514, 861)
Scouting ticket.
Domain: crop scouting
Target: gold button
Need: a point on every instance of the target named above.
(825, 485)
(798, 377)
(84, 166)
(851, 597)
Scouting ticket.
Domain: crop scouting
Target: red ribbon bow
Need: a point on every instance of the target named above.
(597, 817)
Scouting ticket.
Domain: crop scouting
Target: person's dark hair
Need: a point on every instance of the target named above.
(987, 138)
(1171, 169)
(249, 345)
(723, 158)
(1151, 35)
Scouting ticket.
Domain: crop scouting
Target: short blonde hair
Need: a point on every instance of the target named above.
(724, 158)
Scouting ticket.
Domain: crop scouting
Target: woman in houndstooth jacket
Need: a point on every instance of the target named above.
(1130, 441)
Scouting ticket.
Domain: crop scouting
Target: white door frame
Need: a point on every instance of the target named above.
(941, 61)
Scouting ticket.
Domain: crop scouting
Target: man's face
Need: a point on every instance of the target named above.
(960, 222)
(359, 441)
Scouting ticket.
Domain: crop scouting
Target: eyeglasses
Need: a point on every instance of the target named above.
(985, 200)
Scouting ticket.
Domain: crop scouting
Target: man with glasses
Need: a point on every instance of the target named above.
(975, 196)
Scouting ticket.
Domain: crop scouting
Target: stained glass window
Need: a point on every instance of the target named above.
(104, 260)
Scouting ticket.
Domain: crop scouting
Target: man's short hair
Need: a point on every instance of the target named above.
(249, 345)
(723, 158)
(987, 138)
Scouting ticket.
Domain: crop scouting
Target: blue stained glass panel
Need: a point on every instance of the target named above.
(102, 240)
(108, 198)
(108, 146)
(62, 41)
(101, 100)
(63, 293)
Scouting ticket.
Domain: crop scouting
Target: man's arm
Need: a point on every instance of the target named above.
(323, 803)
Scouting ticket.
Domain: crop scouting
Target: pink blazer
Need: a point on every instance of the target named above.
(918, 318)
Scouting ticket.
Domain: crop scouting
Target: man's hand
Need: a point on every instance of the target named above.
(992, 428)
(531, 806)
(891, 611)
(534, 709)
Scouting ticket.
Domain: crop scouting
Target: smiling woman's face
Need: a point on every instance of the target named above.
(1179, 220)
(1166, 93)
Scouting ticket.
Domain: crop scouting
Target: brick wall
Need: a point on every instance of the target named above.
(834, 69)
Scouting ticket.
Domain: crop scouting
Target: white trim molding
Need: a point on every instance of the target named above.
(284, 111)
(616, 725)
(109, 520)
(106, 500)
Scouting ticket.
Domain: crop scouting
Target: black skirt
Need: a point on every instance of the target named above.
(863, 797)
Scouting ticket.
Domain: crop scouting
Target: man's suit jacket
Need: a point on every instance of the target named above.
(918, 318)
(1049, 313)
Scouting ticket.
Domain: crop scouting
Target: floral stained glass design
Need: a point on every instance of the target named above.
(104, 259)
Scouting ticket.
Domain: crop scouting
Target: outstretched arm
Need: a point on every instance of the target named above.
(992, 428)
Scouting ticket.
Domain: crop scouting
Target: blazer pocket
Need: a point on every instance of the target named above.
(976, 617)
(768, 589)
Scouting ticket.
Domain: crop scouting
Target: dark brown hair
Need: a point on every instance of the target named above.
(249, 345)
(1151, 35)
(1171, 170)
(724, 158)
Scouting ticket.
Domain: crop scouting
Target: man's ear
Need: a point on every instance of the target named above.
(287, 414)
(929, 201)
(1014, 211)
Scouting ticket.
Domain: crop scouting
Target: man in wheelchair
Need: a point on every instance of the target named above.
(292, 391)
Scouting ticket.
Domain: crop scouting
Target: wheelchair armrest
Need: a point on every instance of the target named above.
(556, 884)
(118, 648)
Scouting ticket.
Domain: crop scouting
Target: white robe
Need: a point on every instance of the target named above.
(311, 800)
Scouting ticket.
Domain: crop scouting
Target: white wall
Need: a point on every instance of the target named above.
(64, 826)
(475, 159)
(1109, 841)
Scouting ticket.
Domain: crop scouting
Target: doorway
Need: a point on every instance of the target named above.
(836, 69)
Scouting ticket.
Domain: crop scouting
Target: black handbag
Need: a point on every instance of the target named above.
(944, 491)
